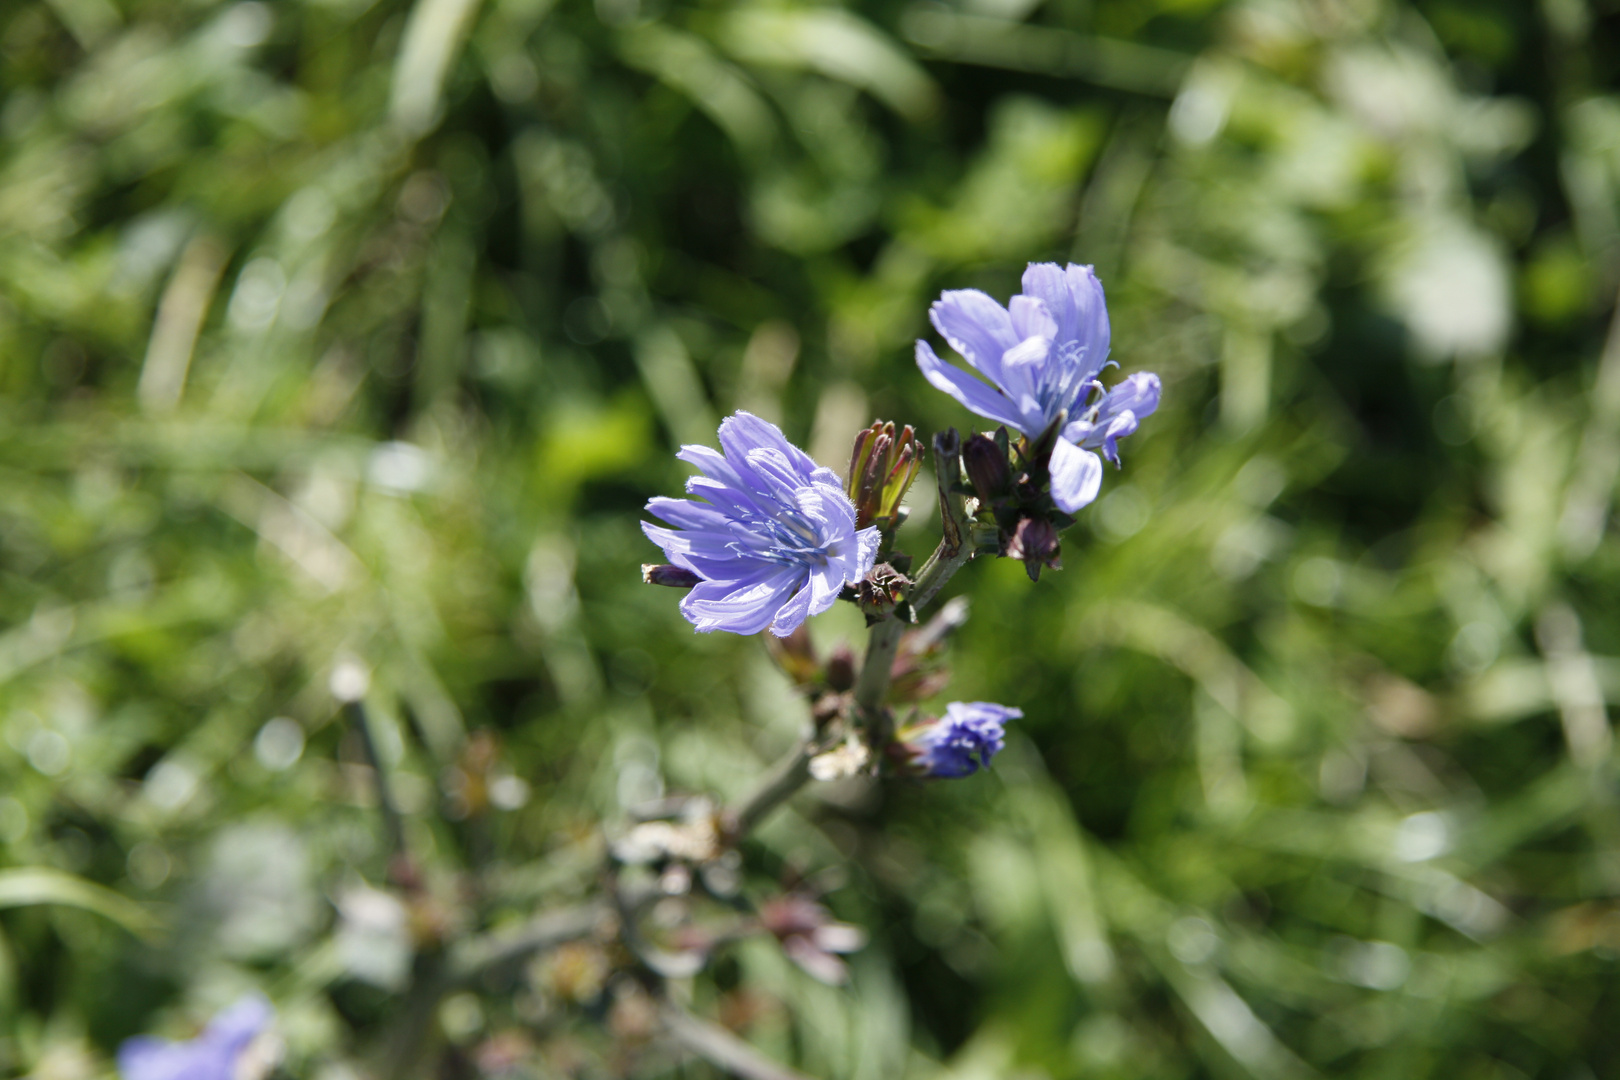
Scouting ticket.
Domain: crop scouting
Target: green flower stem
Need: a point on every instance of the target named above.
(954, 549)
(872, 688)
(785, 778)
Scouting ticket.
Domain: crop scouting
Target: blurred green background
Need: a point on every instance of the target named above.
(363, 327)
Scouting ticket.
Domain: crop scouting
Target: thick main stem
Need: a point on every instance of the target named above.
(872, 688)
(939, 569)
(793, 772)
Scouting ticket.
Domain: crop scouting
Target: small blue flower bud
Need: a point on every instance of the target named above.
(960, 742)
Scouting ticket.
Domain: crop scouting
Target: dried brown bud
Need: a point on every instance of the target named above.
(882, 588)
(810, 936)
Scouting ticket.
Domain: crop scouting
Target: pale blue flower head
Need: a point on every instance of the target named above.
(1042, 355)
(771, 533)
(958, 743)
(216, 1054)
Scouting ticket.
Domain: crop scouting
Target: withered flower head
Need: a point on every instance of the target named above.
(810, 936)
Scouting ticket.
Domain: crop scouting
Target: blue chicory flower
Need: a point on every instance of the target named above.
(958, 743)
(1042, 354)
(773, 538)
(213, 1055)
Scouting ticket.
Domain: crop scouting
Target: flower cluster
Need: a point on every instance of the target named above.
(770, 538)
(1042, 355)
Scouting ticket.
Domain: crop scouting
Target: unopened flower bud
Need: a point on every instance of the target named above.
(664, 574)
(841, 669)
(1035, 542)
(986, 465)
(796, 655)
(881, 468)
(960, 742)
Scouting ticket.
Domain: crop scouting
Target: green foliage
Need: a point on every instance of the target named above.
(363, 328)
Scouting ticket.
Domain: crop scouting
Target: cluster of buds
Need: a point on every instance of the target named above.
(1014, 499)
(881, 469)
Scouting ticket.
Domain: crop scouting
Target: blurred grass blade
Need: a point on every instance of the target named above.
(1195, 651)
(89, 21)
(687, 65)
(1591, 492)
(433, 37)
(1067, 881)
(838, 45)
(27, 886)
(992, 42)
(180, 317)
(308, 544)
(1232, 1024)
(8, 977)
(445, 304)
(673, 384)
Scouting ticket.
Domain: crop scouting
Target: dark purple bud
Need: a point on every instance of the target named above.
(664, 574)
(1036, 542)
(986, 465)
(841, 669)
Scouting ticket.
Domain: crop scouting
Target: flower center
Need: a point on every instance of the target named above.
(1065, 381)
(793, 538)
